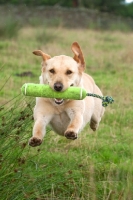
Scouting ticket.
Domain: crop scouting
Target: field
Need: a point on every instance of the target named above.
(97, 166)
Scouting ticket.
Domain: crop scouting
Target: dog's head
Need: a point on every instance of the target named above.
(61, 72)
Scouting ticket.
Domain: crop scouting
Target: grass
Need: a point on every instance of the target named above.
(97, 166)
(9, 27)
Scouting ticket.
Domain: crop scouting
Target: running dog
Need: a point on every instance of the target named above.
(66, 117)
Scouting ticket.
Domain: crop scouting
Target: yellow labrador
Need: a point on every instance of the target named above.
(67, 117)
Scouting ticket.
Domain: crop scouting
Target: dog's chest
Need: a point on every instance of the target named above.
(60, 122)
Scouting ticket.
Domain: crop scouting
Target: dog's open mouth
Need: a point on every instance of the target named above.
(59, 101)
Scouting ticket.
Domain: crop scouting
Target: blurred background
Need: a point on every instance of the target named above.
(101, 14)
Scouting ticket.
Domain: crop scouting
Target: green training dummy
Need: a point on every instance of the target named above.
(75, 93)
(41, 90)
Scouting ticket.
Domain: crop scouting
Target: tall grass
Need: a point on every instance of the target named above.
(97, 166)
(9, 27)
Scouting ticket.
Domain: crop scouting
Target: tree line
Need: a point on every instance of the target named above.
(117, 7)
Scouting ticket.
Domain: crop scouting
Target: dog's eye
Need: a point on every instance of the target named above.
(52, 71)
(68, 72)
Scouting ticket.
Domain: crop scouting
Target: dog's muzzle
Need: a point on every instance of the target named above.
(58, 86)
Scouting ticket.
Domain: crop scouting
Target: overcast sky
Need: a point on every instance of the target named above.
(129, 1)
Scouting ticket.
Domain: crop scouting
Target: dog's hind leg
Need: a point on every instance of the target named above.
(95, 120)
(94, 124)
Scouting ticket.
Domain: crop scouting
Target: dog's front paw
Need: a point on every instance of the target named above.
(71, 135)
(35, 142)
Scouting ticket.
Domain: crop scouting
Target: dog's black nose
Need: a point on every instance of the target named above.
(58, 86)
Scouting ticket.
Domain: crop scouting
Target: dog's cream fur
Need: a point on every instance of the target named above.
(67, 117)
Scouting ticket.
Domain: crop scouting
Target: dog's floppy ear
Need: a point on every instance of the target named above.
(40, 53)
(78, 55)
